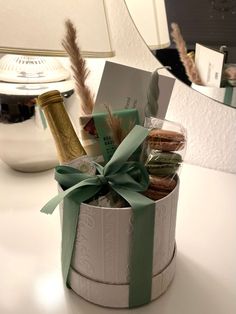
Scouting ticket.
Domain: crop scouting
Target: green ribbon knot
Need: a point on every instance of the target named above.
(127, 178)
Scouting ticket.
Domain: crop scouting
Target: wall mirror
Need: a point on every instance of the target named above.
(210, 23)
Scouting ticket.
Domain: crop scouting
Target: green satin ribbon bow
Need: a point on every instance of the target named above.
(127, 178)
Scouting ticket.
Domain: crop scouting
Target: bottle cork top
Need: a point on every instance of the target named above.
(53, 96)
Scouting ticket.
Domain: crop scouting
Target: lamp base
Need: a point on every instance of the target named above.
(34, 167)
(27, 147)
(25, 140)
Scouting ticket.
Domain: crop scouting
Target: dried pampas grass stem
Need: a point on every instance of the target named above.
(78, 66)
(114, 124)
(186, 59)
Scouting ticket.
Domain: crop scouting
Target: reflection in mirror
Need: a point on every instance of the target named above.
(210, 23)
(150, 18)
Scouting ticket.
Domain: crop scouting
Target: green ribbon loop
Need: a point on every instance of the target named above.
(127, 178)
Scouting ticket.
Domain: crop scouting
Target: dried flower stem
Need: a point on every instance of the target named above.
(186, 59)
(114, 124)
(78, 66)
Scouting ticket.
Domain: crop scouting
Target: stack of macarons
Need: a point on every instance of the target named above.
(163, 161)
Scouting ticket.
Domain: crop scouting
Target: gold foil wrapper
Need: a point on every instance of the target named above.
(67, 143)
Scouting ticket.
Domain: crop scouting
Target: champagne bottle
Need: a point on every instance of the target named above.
(69, 148)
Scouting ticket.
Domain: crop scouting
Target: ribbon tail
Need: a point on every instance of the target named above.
(71, 211)
(73, 197)
(52, 204)
(141, 257)
(49, 207)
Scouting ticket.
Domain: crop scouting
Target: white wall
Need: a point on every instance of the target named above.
(211, 126)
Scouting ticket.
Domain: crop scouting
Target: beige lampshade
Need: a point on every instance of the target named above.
(150, 18)
(37, 27)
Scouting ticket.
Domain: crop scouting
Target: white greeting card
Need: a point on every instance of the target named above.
(126, 87)
(209, 63)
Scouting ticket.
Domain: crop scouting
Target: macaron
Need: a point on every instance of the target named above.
(155, 195)
(163, 170)
(160, 183)
(166, 140)
(164, 158)
(159, 187)
(163, 163)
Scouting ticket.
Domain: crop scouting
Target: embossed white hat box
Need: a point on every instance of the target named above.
(99, 270)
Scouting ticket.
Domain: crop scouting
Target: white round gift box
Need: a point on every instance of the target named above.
(99, 269)
(219, 94)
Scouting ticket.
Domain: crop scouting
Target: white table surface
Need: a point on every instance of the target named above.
(205, 280)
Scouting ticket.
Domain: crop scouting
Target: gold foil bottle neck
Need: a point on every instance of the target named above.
(50, 97)
(67, 143)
